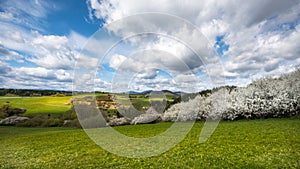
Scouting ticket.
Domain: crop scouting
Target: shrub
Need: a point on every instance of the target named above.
(58, 95)
(2, 115)
(70, 115)
(7, 110)
(41, 120)
(113, 112)
(72, 123)
(52, 122)
(11, 95)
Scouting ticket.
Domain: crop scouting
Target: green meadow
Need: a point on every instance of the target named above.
(44, 104)
(59, 105)
(268, 143)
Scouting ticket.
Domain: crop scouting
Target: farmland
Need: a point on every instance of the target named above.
(45, 104)
(268, 143)
(59, 105)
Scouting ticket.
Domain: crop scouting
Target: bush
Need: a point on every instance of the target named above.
(52, 122)
(70, 115)
(72, 123)
(11, 95)
(58, 95)
(2, 115)
(113, 112)
(41, 120)
(6, 110)
(68, 119)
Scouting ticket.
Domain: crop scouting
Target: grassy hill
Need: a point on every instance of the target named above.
(269, 143)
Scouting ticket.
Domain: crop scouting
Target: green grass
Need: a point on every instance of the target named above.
(270, 143)
(45, 104)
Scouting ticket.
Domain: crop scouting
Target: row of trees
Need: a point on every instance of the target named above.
(264, 98)
(31, 92)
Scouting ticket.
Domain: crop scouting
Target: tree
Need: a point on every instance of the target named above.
(263, 98)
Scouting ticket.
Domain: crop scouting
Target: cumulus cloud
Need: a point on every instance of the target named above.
(259, 38)
(35, 78)
(50, 51)
(188, 83)
(50, 41)
(4, 68)
(145, 63)
(116, 60)
(262, 38)
(162, 54)
(47, 55)
(7, 54)
(29, 57)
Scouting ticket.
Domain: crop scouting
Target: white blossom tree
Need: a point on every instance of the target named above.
(267, 97)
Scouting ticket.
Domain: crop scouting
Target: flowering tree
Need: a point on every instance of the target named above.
(267, 97)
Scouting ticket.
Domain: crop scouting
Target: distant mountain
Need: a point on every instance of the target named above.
(132, 92)
(146, 92)
(170, 93)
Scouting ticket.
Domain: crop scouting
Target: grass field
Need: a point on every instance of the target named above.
(45, 104)
(58, 105)
(270, 143)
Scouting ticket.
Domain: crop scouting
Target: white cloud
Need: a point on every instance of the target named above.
(30, 58)
(86, 62)
(6, 16)
(4, 68)
(186, 83)
(7, 54)
(35, 78)
(63, 75)
(29, 14)
(50, 51)
(186, 79)
(50, 41)
(87, 82)
(164, 54)
(77, 40)
(116, 60)
(262, 36)
(35, 72)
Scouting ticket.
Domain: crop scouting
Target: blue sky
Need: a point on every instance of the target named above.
(70, 15)
(41, 43)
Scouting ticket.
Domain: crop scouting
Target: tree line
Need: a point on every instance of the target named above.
(32, 92)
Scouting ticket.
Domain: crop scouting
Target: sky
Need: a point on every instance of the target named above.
(47, 44)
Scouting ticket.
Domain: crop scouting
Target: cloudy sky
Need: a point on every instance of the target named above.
(41, 42)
